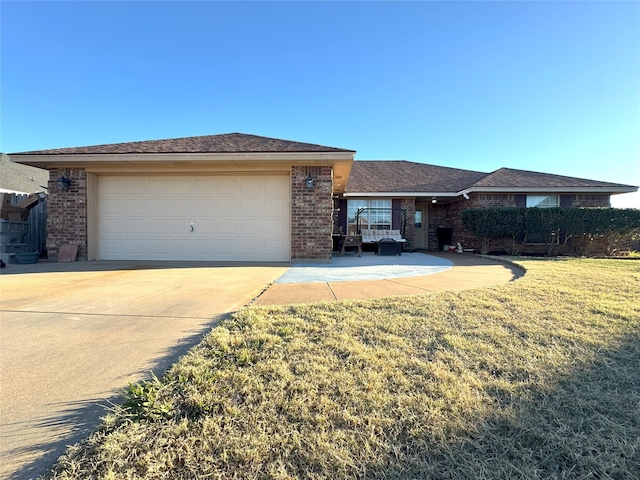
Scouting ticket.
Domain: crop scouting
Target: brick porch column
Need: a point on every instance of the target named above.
(67, 212)
(311, 215)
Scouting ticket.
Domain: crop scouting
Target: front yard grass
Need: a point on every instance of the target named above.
(536, 379)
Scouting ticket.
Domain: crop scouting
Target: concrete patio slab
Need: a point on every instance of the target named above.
(451, 272)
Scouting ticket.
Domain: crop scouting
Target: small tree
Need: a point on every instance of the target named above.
(546, 224)
(482, 223)
(511, 227)
(618, 226)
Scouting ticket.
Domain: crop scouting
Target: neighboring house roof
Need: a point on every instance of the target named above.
(224, 143)
(403, 176)
(16, 178)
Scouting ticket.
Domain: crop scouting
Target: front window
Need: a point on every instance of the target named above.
(376, 214)
(543, 201)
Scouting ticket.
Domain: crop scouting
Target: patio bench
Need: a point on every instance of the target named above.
(374, 236)
(351, 241)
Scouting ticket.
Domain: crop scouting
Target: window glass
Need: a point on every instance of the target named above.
(543, 201)
(418, 222)
(377, 214)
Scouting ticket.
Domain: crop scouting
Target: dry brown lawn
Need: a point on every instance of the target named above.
(536, 379)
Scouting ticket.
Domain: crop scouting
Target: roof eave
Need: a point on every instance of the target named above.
(592, 189)
(401, 194)
(35, 160)
(340, 161)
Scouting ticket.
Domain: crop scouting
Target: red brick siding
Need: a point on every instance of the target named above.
(67, 212)
(409, 206)
(590, 200)
(452, 213)
(311, 214)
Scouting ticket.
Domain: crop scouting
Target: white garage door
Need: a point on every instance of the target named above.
(216, 218)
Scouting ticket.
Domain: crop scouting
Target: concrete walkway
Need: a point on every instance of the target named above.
(432, 272)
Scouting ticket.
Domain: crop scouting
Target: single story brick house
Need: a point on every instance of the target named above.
(238, 197)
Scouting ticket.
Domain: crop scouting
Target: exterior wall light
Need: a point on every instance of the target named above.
(309, 182)
(63, 183)
(433, 200)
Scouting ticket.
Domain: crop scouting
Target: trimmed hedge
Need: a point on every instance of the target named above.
(583, 228)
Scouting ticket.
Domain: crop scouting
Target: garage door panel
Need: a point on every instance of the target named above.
(112, 186)
(275, 248)
(276, 207)
(227, 246)
(275, 228)
(250, 207)
(204, 207)
(111, 206)
(136, 246)
(275, 185)
(180, 186)
(247, 227)
(180, 227)
(157, 207)
(136, 208)
(235, 218)
(204, 226)
(226, 207)
(158, 246)
(157, 226)
(132, 185)
(228, 186)
(180, 206)
(179, 247)
(133, 227)
(203, 247)
(226, 228)
(112, 225)
(251, 186)
(157, 186)
(251, 246)
(204, 186)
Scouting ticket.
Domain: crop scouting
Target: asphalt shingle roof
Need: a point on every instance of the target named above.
(509, 177)
(224, 143)
(403, 176)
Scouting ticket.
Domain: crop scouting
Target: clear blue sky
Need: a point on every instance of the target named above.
(545, 86)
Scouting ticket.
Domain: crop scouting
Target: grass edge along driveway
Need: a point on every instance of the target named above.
(539, 378)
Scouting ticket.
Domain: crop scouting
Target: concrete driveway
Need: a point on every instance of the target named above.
(73, 336)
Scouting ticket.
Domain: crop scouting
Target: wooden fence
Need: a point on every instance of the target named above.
(37, 237)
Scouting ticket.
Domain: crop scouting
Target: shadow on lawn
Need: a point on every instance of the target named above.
(79, 419)
(584, 426)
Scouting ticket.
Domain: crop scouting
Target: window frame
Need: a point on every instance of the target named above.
(544, 202)
(374, 220)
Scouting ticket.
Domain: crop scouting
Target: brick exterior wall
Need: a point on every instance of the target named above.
(590, 200)
(67, 212)
(409, 206)
(312, 215)
(451, 214)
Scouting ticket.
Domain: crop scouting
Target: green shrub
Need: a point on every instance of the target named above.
(555, 228)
